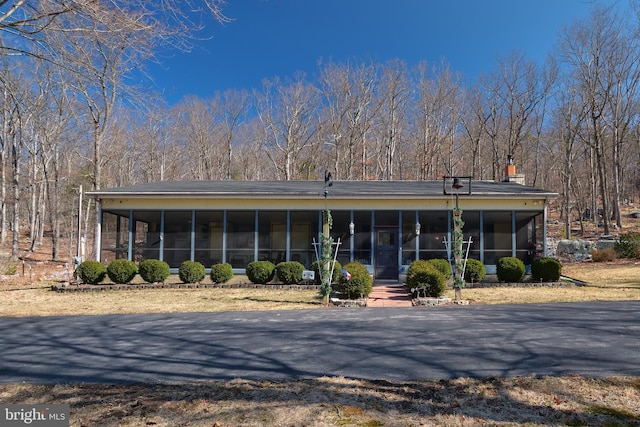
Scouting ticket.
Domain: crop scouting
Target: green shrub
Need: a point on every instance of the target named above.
(91, 272)
(424, 279)
(191, 272)
(442, 265)
(153, 270)
(315, 266)
(260, 271)
(289, 272)
(475, 271)
(121, 271)
(510, 269)
(221, 273)
(628, 245)
(604, 255)
(546, 269)
(359, 285)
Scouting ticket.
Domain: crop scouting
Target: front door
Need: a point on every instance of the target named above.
(386, 255)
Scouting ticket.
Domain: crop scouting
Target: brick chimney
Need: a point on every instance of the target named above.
(510, 174)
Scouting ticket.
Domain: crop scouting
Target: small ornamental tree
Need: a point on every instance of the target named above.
(475, 271)
(546, 269)
(510, 269)
(260, 272)
(425, 279)
(191, 272)
(91, 272)
(154, 270)
(122, 271)
(221, 273)
(289, 272)
(357, 282)
(442, 265)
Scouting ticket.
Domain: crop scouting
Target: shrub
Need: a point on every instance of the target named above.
(91, 272)
(315, 266)
(628, 245)
(510, 269)
(475, 271)
(121, 271)
(442, 265)
(153, 270)
(359, 285)
(546, 269)
(289, 272)
(221, 273)
(604, 255)
(260, 271)
(191, 272)
(424, 278)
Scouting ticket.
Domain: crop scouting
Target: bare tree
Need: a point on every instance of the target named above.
(348, 91)
(286, 113)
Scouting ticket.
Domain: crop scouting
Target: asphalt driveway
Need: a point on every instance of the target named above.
(596, 339)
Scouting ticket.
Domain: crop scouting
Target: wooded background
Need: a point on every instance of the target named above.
(75, 111)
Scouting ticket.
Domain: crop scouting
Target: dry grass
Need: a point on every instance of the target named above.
(528, 401)
(330, 401)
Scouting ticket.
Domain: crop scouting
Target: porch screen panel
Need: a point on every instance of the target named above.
(526, 236)
(497, 236)
(177, 237)
(208, 237)
(115, 235)
(241, 238)
(408, 239)
(433, 229)
(272, 236)
(340, 230)
(304, 227)
(362, 237)
(147, 235)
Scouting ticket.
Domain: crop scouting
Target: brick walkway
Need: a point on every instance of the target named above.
(389, 295)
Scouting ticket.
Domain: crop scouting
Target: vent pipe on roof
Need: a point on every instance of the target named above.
(510, 174)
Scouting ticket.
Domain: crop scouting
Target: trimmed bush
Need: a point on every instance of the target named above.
(260, 272)
(289, 272)
(628, 245)
(510, 269)
(546, 269)
(221, 273)
(315, 266)
(154, 270)
(424, 279)
(121, 271)
(91, 272)
(442, 265)
(475, 271)
(191, 272)
(359, 285)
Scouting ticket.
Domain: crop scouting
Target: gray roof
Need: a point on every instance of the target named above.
(312, 189)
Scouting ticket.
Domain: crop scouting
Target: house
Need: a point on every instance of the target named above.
(383, 224)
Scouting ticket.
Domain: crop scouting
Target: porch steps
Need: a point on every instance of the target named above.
(389, 294)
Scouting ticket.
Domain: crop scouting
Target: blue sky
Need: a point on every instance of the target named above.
(269, 38)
